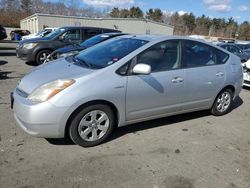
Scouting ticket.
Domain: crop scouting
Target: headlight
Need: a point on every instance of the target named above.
(29, 45)
(47, 91)
(68, 54)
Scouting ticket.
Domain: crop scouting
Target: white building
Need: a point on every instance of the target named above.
(37, 22)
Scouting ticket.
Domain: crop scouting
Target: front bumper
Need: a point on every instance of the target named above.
(25, 54)
(39, 120)
(246, 79)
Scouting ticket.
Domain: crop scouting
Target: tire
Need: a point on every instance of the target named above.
(42, 56)
(54, 56)
(85, 126)
(223, 103)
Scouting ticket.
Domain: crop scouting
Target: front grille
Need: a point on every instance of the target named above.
(21, 93)
(247, 82)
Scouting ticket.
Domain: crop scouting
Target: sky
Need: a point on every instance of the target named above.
(238, 9)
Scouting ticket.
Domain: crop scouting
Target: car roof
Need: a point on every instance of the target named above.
(112, 34)
(86, 27)
(161, 37)
(226, 44)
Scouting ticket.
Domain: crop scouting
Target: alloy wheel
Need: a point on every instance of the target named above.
(44, 57)
(223, 101)
(93, 125)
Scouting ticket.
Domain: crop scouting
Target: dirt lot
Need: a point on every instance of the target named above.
(186, 151)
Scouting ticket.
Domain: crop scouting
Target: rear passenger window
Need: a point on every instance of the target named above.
(92, 32)
(222, 57)
(197, 54)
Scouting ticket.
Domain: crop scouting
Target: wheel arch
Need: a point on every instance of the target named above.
(231, 87)
(93, 102)
(42, 49)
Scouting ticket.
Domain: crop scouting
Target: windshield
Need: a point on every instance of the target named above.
(109, 52)
(39, 33)
(94, 40)
(55, 33)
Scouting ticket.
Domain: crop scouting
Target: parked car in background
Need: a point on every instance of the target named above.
(19, 32)
(243, 46)
(246, 73)
(76, 48)
(3, 34)
(38, 49)
(42, 33)
(127, 79)
(244, 56)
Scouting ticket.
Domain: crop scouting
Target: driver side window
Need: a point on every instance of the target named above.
(162, 56)
(72, 35)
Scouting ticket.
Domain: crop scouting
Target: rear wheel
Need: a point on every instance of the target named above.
(42, 56)
(222, 103)
(92, 125)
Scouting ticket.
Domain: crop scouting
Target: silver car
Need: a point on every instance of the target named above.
(124, 80)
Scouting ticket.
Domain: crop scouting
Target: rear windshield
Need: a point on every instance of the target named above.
(109, 52)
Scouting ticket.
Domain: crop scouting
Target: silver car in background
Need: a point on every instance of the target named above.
(124, 80)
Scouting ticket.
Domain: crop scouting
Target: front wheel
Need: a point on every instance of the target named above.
(92, 125)
(222, 103)
(42, 57)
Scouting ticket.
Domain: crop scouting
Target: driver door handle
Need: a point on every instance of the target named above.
(177, 79)
(219, 74)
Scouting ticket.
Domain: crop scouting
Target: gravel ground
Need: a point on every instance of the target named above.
(185, 151)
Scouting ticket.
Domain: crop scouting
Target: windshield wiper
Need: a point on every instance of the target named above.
(80, 61)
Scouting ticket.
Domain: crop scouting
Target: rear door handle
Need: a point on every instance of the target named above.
(177, 80)
(219, 74)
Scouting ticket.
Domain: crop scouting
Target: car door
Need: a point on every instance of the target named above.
(161, 91)
(205, 74)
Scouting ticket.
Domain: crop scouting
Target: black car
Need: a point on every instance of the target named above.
(3, 34)
(38, 49)
(19, 32)
(244, 56)
(72, 49)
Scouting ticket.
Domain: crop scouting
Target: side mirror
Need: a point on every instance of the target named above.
(142, 69)
(61, 37)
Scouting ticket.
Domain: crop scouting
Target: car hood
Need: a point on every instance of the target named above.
(33, 40)
(70, 48)
(58, 69)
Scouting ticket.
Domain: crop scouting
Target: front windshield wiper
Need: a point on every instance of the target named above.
(80, 61)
